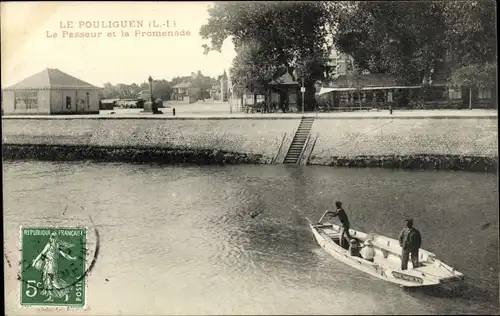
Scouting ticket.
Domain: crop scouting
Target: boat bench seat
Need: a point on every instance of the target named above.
(423, 257)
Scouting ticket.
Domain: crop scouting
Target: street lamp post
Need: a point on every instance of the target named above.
(299, 73)
(426, 86)
(303, 90)
(150, 89)
(149, 107)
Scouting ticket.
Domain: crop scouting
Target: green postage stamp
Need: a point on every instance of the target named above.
(53, 266)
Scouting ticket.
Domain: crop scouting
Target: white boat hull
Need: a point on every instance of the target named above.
(387, 261)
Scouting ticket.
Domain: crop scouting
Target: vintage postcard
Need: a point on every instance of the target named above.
(260, 158)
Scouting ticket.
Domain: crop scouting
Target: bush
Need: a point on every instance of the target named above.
(420, 162)
(127, 154)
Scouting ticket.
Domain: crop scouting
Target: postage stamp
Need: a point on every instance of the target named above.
(53, 266)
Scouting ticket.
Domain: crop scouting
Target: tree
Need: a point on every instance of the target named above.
(471, 43)
(203, 85)
(109, 92)
(411, 40)
(252, 70)
(124, 91)
(162, 89)
(470, 31)
(272, 36)
(403, 39)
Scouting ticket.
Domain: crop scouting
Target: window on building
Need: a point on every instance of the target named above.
(484, 94)
(87, 99)
(68, 102)
(456, 94)
(26, 100)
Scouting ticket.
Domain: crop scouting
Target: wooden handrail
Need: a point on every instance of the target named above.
(312, 148)
(293, 136)
(304, 148)
(308, 152)
(279, 150)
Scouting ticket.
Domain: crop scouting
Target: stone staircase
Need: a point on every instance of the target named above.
(299, 140)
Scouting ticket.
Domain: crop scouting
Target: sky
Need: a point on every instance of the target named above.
(29, 44)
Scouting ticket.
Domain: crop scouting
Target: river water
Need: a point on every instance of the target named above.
(181, 240)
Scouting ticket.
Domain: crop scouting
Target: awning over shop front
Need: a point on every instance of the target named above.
(328, 90)
(391, 88)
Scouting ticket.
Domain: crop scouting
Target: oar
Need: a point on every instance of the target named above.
(317, 225)
(322, 217)
(310, 222)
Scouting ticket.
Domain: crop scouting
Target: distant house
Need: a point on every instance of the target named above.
(370, 89)
(341, 63)
(186, 90)
(144, 95)
(285, 92)
(51, 91)
(224, 87)
(108, 104)
(215, 92)
(383, 89)
(181, 90)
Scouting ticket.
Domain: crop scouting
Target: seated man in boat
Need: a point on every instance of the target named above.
(367, 251)
(410, 240)
(354, 248)
(340, 213)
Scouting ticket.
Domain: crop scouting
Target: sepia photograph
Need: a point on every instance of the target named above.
(250, 157)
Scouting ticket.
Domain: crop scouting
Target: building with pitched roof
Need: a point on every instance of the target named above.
(285, 92)
(51, 91)
(341, 63)
(183, 87)
(187, 90)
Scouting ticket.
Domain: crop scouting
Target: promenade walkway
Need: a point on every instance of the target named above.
(219, 114)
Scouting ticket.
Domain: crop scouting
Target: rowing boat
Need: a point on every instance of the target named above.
(387, 261)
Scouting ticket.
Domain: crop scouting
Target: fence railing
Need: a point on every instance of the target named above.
(308, 149)
(283, 150)
(304, 148)
(279, 149)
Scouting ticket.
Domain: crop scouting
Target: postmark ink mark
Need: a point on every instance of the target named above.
(7, 259)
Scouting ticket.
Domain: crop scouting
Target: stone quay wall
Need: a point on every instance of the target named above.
(468, 143)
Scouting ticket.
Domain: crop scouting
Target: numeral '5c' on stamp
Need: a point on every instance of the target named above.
(53, 271)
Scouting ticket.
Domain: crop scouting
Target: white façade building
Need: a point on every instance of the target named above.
(50, 91)
(340, 62)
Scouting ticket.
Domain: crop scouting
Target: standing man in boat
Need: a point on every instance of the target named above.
(340, 213)
(410, 240)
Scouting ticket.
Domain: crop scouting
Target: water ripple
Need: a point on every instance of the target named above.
(188, 240)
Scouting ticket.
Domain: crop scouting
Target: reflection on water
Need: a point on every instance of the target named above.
(183, 240)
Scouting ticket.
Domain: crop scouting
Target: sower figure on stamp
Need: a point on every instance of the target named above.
(410, 240)
(47, 261)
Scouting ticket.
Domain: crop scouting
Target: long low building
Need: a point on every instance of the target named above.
(51, 91)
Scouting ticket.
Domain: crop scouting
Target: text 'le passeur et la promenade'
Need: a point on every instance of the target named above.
(124, 28)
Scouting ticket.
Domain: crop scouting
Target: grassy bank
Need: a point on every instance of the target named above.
(126, 154)
(419, 162)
